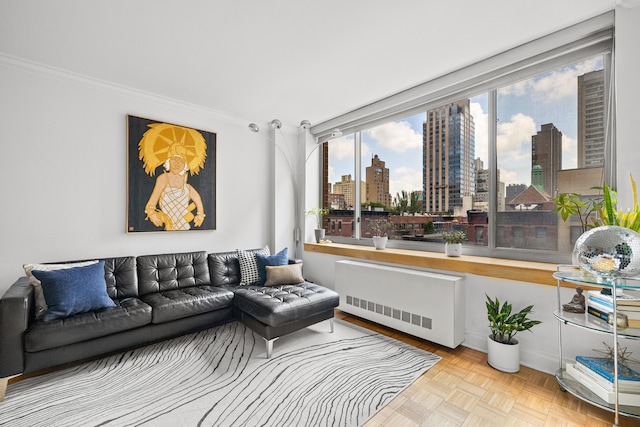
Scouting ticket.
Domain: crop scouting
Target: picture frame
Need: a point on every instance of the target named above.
(171, 177)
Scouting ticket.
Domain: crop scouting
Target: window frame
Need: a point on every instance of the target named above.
(573, 44)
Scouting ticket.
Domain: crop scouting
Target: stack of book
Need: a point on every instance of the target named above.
(596, 374)
(601, 306)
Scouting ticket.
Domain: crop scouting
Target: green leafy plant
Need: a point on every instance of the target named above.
(504, 325)
(318, 213)
(457, 236)
(379, 227)
(569, 204)
(610, 214)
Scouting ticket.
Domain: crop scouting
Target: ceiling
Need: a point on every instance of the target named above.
(256, 60)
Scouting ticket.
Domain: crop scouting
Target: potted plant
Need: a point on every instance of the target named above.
(453, 242)
(569, 204)
(318, 214)
(379, 228)
(610, 214)
(503, 350)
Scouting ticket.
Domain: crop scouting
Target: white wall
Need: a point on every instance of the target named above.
(540, 348)
(63, 176)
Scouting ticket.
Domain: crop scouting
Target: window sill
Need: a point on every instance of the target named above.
(524, 271)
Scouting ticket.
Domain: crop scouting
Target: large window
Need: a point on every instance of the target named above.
(487, 158)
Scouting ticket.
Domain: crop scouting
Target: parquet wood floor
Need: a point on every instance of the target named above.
(463, 390)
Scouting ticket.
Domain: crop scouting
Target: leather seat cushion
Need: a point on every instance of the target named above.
(185, 302)
(128, 313)
(276, 305)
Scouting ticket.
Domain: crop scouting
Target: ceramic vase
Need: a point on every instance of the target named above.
(453, 249)
(380, 242)
(503, 357)
(319, 234)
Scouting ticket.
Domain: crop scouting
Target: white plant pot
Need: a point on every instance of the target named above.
(380, 242)
(319, 234)
(453, 249)
(503, 357)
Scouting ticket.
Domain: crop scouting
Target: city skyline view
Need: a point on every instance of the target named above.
(523, 108)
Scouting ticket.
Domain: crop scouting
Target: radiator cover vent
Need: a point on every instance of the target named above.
(396, 313)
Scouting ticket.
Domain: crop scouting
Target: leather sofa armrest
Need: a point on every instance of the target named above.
(16, 307)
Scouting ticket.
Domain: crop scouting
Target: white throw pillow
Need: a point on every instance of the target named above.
(41, 304)
(249, 272)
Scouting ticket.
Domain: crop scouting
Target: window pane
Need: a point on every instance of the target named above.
(391, 166)
(550, 140)
(478, 217)
(339, 186)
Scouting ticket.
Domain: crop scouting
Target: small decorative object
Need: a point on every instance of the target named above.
(453, 242)
(577, 303)
(503, 350)
(608, 252)
(318, 214)
(624, 356)
(379, 228)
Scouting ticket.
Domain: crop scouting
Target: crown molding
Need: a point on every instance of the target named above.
(70, 77)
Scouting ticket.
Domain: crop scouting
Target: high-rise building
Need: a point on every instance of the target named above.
(448, 138)
(546, 151)
(347, 187)
(591, 119)
(481, 197)
(377, 180)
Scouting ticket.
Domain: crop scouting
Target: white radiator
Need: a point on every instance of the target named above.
(427, 305)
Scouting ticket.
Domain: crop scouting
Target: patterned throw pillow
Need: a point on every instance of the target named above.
(249, 273)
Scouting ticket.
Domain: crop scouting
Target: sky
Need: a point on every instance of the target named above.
(522, 108)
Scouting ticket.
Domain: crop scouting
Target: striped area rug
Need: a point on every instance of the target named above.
(221, 377)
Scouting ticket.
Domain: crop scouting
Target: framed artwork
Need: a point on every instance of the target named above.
(171, 177)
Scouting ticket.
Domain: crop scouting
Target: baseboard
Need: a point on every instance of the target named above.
(539, 360)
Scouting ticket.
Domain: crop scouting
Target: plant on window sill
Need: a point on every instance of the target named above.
(318, 214)
(610, 214)
(454, 236)
(379, 227)
(569, 204)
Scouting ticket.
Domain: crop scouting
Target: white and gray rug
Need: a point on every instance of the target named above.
(220, 377)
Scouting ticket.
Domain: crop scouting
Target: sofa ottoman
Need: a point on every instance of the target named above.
(273, 311)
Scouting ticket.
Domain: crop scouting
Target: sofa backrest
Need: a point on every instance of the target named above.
(159, 273)
(224, 268)
(121, 277)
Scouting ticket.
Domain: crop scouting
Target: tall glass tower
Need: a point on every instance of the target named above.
(591, 121)
(448, 136)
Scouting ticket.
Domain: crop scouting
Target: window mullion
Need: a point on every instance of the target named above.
(493, 169)
(357, 205)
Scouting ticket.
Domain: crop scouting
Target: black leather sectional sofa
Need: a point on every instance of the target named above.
(156, 297)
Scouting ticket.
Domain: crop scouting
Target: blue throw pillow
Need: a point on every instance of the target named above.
(73, 290)
(264, 260)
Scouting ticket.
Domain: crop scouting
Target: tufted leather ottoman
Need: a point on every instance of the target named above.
(275, 311)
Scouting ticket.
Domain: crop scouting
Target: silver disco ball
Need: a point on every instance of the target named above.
(609, 252)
